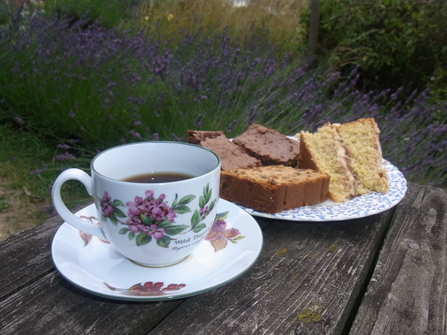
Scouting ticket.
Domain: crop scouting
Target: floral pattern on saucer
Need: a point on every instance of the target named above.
(219, 234)
(357, 207)
(148, 289)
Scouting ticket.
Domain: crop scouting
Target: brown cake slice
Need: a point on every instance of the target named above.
(231, 155)
(269, 146)
(272, 189)
(350, 153)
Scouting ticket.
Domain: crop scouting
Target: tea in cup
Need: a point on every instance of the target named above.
(156, 201)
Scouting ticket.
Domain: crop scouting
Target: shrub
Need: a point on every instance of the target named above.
(89, 88)
(271, 20)
(395, 42)
(110, 13)
(104, 86)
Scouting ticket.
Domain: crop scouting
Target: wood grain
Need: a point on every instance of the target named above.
(307, 280)
(53, 306)
(408, 291)
(25, 257)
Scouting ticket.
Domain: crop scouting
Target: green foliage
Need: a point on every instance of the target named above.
(395, 42)
(110, 13)
(29, 160)
(274, 20)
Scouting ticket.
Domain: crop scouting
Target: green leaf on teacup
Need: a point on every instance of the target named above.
(186, 200)
(146, 219)
(131, 236)
(174, 203)
(182, 209)
(212, 204)
(123, 231)
(164, 241)
(175, 230)
(195, 219)
(199, 227)
(207, 193)
(143, 239)
(164, 224)
(113, 218)
(117, 202)
(202, 202)
(118, 212)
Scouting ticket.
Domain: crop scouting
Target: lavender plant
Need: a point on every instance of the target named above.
(99, 87)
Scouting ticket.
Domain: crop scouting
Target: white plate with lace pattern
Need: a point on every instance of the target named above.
(357, 207)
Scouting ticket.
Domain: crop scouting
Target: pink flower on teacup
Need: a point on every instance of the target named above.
(107, 208)
(156, 210)
(156, 232)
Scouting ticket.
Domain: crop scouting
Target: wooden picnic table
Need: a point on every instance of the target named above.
(383, 274)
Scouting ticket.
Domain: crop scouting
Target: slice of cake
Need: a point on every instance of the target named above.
(231, 155)
(269, 146)
(272, 189)
(350, 154)
(361, 140)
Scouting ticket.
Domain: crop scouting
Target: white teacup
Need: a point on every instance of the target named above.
(154, 224)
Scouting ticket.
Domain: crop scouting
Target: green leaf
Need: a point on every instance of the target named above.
(146, 219)
(202, 202)
(143, 239)
(182, 209)
(174, 203)
(187, 199)
(208, 195)
(164, 241)
(175, 230)
(118, 212)
(114, 220)
(164, 224)
(221, 216)
(123, 231)
(117, 202)
(212, 204)
(195, 219)
(237, 238)
(131, 236)
(199, 227)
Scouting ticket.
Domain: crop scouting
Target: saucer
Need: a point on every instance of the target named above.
(95, 266)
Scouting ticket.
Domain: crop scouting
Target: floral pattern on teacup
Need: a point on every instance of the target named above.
(151, 218)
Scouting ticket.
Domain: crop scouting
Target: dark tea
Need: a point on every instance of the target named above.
(158, 177)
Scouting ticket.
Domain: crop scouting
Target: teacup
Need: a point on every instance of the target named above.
(156, 223)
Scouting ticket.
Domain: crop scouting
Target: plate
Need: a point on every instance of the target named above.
(357, 207)
(97, 267)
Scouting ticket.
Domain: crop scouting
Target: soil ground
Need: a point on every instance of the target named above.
(19, 210)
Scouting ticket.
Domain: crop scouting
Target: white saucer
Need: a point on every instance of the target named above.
(96, 267)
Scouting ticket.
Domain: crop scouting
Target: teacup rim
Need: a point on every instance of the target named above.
(217, 166)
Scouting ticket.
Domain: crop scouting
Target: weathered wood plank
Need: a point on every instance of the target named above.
(53, 306)
(306, 281)
(408, 291)
(25, 257)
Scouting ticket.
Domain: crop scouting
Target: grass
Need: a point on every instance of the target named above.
(28, 161)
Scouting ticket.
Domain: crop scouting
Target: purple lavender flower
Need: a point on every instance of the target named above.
(64, 157)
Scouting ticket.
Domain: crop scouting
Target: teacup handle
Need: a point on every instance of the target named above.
(64, 212)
